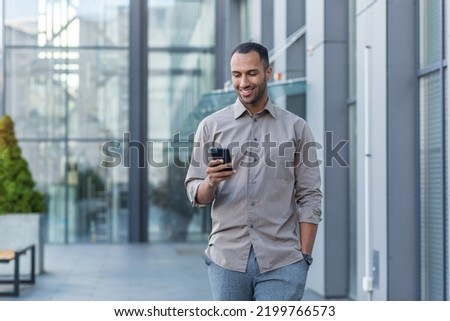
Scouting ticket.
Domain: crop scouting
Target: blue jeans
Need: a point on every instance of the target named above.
(283, 284)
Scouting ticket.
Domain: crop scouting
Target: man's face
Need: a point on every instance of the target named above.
(250, 79)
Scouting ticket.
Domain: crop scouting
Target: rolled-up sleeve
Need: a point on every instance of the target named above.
(308, 181)
(197, 167)
(191, 190)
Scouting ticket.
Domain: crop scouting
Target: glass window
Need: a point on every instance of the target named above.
(63, 23)
(433, 166)
(90, 87)
(36, 93)
(431, 40)
(180, 23)
(66, 88)
(444, 39)
(98, 101)
(181, 70)
(432, 199)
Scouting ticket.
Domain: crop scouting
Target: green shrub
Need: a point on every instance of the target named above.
(17, 192)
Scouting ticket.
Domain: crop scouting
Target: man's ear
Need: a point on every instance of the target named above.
(268, 73)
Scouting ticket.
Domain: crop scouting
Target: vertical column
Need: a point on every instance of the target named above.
(336, 172)
(138, 180)
(267, 24)
(295, 55)
(228, 26)
(221, 43)
(403, 159)
(327, 114)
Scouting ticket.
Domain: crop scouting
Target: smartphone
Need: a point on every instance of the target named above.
(221, 153)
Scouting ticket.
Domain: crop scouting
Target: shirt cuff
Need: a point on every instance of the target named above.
(192, 189)
(309, 215)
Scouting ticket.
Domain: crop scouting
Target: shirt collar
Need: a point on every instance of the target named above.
(240, 109)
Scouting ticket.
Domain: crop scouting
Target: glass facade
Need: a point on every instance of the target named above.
(431, 32)
(181, 63)
(432, 151)
(432, 188)
(66, 86)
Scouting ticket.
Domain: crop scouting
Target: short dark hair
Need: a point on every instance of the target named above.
(247, 47)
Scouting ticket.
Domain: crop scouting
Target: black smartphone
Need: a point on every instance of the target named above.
(221, 153)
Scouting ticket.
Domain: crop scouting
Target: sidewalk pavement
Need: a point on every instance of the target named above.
(122, 272)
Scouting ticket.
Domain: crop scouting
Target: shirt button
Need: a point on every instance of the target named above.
(254, 119)
(252, 203)
(250, 225)
(255, 139)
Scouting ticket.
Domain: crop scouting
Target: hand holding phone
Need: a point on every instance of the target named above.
(221, 153)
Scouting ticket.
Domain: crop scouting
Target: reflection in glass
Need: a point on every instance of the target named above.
(84, 95)
(63, 23)
(66, 87)
(181, 63)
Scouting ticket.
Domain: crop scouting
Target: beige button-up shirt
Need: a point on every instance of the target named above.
(276, 185)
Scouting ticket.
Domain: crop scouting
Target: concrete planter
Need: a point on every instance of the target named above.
(19, 231)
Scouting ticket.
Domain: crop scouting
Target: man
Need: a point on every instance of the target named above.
(265, 211)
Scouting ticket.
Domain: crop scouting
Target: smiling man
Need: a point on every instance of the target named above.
(250, 74)
(266, 210)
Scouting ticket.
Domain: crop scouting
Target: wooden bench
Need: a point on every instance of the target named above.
(7, 256)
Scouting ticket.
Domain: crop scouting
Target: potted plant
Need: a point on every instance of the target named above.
(21, 205)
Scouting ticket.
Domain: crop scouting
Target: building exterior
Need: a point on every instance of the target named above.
(376, 76)
(106, 96)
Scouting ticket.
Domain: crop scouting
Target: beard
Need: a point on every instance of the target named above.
(257, 96)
